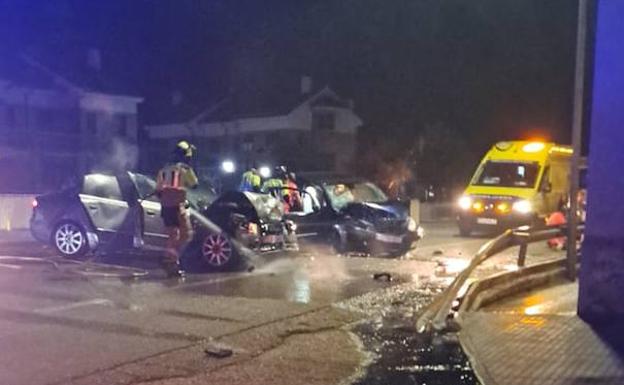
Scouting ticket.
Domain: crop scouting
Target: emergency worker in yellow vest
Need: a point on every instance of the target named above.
(172, 182)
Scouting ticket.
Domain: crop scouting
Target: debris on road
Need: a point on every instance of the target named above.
(218, 351)
(382, 277)
(438, 252)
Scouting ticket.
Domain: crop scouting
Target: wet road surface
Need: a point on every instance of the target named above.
(72, 328)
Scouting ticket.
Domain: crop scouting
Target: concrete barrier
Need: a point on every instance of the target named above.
(15, 211)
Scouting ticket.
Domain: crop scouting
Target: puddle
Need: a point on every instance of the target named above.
(407, 357)
(401, 355)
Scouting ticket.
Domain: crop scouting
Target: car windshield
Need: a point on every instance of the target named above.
(507, 174)
(341, 194)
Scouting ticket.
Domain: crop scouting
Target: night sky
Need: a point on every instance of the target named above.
(484, 69)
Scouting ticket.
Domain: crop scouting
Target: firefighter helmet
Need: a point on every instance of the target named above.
(184, 151)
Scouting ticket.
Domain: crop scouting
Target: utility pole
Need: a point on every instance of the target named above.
(577, 128)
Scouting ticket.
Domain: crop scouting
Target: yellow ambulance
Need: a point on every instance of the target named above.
(517, 183)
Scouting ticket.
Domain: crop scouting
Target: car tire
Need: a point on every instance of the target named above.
(216, 252)
(465, 230)
(339, 243)
(70, 239)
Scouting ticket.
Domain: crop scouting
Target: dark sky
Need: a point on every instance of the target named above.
(488, 69)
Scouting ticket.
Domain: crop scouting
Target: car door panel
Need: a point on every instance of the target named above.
(154, 232)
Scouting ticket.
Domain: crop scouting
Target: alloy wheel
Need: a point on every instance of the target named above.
(217, 250)
(69, 239)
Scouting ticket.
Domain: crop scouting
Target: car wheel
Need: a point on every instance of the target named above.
(339, 243)
(70, 240)
(465, 230)
(217, 252)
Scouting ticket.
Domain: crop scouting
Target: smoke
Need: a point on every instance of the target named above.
(119, 155)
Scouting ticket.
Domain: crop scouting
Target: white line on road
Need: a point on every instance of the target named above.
(91, 302)
(8, 266)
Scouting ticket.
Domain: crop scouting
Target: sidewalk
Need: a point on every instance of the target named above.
(536, 338)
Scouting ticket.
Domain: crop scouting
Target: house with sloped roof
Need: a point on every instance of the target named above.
(60, 120)
(303, 128)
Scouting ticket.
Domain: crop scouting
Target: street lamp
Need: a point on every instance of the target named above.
(228, 166)
(265, 172)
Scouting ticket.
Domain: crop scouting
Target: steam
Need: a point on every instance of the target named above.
(119, 155)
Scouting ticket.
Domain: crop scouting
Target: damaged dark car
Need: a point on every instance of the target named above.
(113, 213)
(353, 215)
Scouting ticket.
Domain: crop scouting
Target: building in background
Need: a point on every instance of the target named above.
(303, 128)
(54, 127)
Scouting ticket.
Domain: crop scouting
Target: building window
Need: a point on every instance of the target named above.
(323, 120)
(91, 123)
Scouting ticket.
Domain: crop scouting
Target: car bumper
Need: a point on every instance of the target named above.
(40, 230)
(491, 223)
(380, 243)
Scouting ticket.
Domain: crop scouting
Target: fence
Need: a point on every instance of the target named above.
(15, 211)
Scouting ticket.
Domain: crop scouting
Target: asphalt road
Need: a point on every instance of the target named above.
(290, 316)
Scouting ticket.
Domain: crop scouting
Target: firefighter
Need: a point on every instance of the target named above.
(291, 193)
(251, 181)
(275, 183)
(172, 182)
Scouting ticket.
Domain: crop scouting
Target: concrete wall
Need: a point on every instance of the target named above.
(15, 211)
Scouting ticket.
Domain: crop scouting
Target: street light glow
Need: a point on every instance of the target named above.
(228, 166)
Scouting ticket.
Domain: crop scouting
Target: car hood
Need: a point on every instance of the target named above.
(378, 212)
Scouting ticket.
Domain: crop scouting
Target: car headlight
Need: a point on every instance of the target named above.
(464, 202)
(412, 225)
(522, 206)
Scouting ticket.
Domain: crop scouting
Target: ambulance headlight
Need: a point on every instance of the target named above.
(522, 206)
(464, 202)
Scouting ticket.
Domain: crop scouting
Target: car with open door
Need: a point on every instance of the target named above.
(114, 213)
(353, 215)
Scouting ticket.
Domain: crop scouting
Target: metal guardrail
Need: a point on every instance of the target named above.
(437, 313)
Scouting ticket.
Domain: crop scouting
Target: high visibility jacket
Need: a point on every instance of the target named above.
(250, 182)
(172, 182)
(273, 185)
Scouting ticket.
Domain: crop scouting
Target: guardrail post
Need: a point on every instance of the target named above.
(522, 254)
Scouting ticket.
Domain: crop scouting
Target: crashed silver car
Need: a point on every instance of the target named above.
(113, 213)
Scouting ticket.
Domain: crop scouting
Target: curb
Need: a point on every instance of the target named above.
(489, 290)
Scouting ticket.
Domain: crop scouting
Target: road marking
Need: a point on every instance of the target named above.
(75, 305)
(8, 266)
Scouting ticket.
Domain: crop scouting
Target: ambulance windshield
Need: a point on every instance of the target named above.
(507, 174)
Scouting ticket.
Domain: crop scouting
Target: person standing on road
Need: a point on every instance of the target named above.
(172, 182)
(251, 181)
